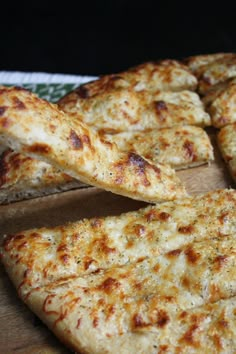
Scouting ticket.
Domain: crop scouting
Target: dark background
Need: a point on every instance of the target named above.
(99, 37)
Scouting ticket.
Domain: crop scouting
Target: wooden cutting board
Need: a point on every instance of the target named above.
(20, 330)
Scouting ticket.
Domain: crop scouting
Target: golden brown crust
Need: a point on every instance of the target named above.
(197, 62)
(100, 323)
(180, 147)
(212, 69)
(39, 129)
(22, 177)
(220, 103)
(227, 144)
(179, 294)
(168, 75)
(122, 109)
(39, 256)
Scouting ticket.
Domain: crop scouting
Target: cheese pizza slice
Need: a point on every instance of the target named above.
(107, 317)
(39, 129)
(227, 144)
(168, 75)
(198, 63)
(122, 109)
(180, 147)
(186, 277)
(22, 177)
(161, 75)
(39, 256)
(212, 69)
(221, 103)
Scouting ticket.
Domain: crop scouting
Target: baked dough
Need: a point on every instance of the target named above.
(220, 102)
(39, 256)
(164, 75)
(161, 278)
(22, 177)
(227, 144)
(212, 69)
(180, 147)
(124, 109)
(39, 129)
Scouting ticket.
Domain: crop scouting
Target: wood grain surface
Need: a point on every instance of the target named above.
(20, 330)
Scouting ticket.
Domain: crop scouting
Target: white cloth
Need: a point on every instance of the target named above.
(18, 77)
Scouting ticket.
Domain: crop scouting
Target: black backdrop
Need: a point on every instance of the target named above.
(98, 37)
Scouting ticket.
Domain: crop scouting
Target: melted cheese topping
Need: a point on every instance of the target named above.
(121, 109)
(161, 277)
(221, 103)
(212, 69)
(39, 256)
(227, 145)
(180, 147)
(39, 129)
(22, 177)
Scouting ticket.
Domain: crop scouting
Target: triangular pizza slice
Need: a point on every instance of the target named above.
(39, 129)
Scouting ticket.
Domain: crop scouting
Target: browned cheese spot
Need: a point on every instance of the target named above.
(86, 139)
(152, 215)
(223, 323)
(140, 165)
(5, 122)
(22, 245)
(62, 248)
(17, 160)
(163, 216)
(139, 230)
(2, 110)
(35, 235)
(188, 337)
(189, 150)
(40, 148)
(110, 310)
(215, 293)
(163, 349)
(102, 245)
(219, 262)
(10, 241)
(109, 285)
(183, 314)
(162, 318)
(18, 104)
(188, 229)
(161, 109)
(88, 261)
(192, 256)
(223, 218)
(217, 341)
(65, 258)
(185, 282)
(174, 253)
(82, 91)
(138, 321)
(95, 322)
(119, 167)
(75, 140)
